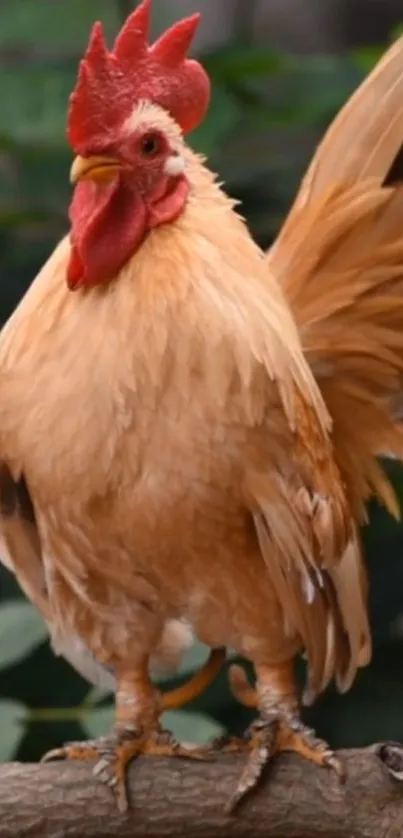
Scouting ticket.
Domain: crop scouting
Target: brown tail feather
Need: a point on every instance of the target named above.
(339, 258)
(345, 287)
(366, 136)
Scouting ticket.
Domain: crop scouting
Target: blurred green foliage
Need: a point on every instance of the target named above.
(268, 111)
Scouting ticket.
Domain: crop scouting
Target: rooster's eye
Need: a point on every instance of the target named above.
(150, 145)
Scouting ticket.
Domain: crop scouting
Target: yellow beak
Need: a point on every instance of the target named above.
(98, 168)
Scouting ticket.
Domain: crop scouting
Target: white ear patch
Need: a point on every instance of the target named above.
(174, 165)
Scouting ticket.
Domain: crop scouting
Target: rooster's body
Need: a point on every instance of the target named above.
(162, 458)
(168, 453)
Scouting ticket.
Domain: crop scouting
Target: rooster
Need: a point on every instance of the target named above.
(168, 458)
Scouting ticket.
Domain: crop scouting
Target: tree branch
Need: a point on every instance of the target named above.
(183, 799)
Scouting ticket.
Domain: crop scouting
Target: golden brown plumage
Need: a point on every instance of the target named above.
(176, 450)
(339, 259)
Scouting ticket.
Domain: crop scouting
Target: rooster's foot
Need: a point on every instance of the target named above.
(114, 753)
(269, 736)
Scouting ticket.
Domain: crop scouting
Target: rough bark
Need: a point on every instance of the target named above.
(185, 799)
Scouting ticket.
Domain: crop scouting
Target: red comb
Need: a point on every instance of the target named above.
(111, 82)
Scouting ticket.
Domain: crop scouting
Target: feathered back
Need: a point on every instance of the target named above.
(339, 258)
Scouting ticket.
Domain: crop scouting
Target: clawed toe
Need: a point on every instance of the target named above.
(264, 740)
(82, 751)
(114, 753)
(293, 735)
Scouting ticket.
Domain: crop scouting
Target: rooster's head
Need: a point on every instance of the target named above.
(128, 113)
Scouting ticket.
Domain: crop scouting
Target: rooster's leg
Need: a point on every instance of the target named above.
(278, 728)
(137, 730)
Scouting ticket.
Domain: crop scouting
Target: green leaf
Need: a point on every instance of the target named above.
(238, 63)
(21, 631)
(186, 727)
(95, 695)
(55, 26)
(366, 57)
(37, 103)
(98, 721)
(193, 659)
(191, 727)
(11, 718)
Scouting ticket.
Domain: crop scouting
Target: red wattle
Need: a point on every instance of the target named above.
(110, 222)
(75, 270)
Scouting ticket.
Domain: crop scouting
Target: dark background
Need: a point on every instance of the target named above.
(280, 71)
